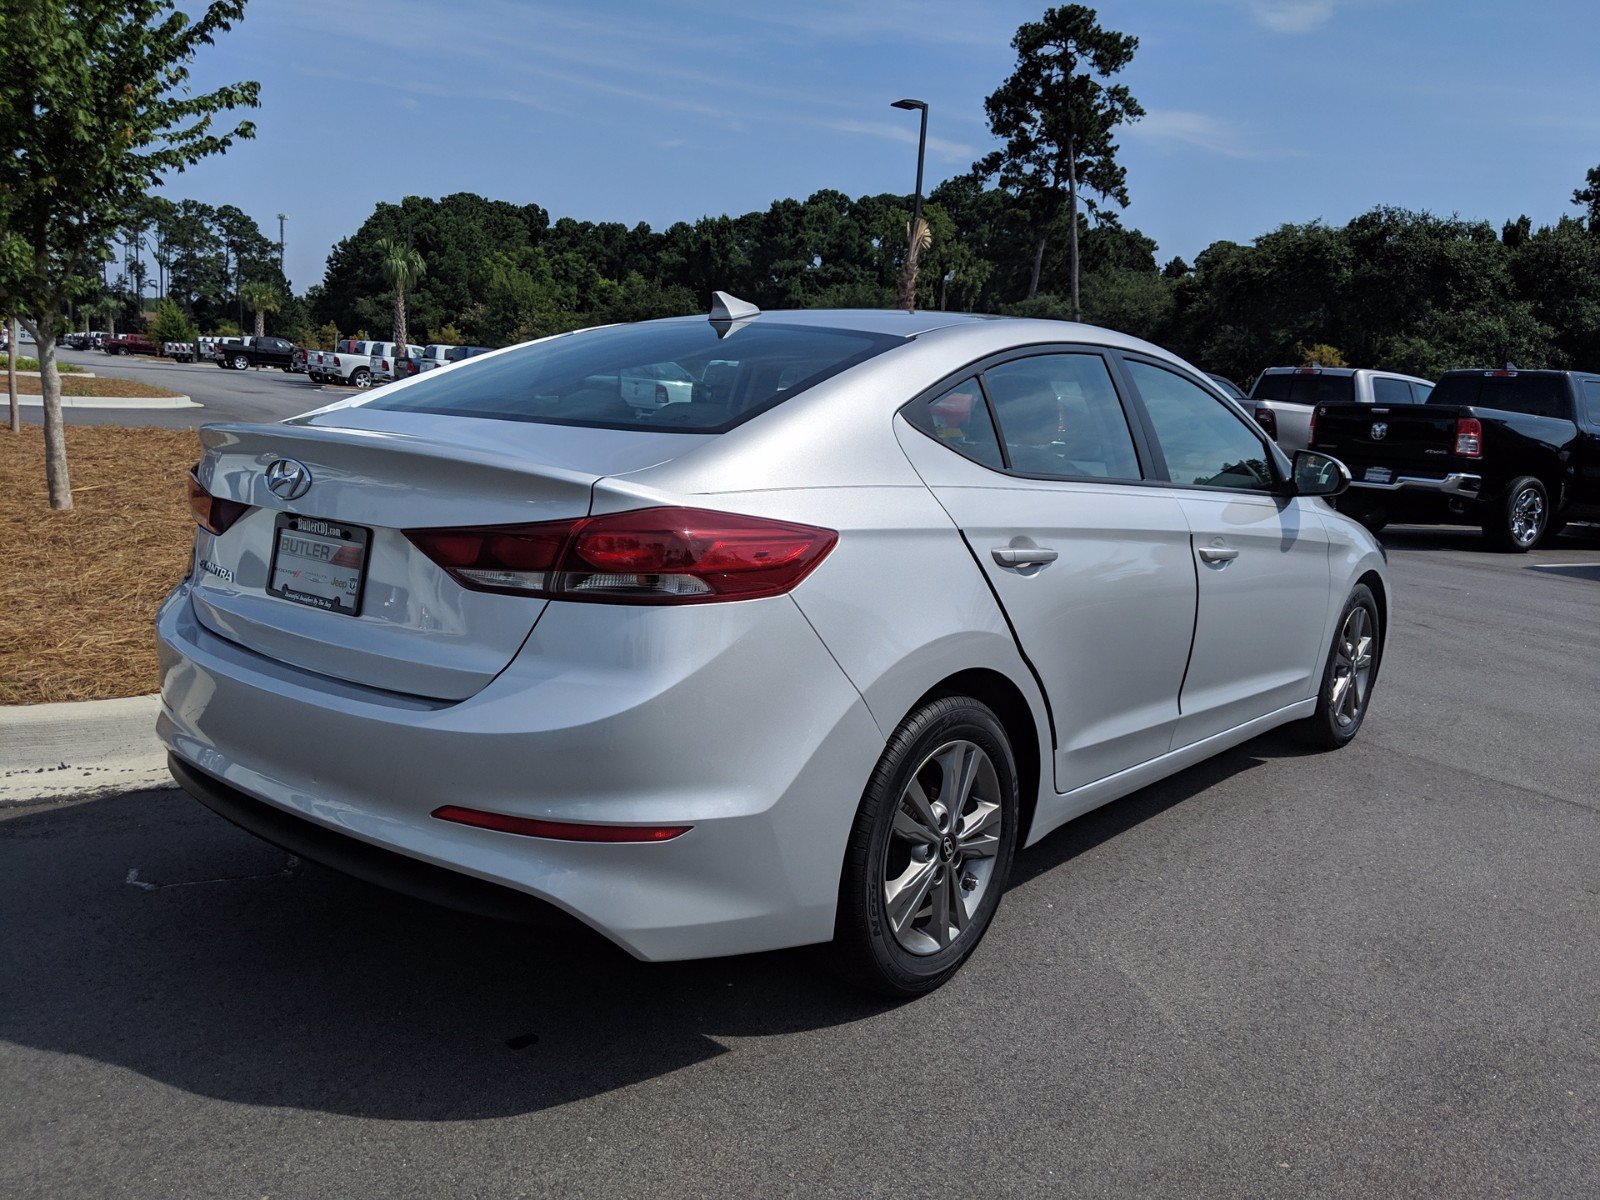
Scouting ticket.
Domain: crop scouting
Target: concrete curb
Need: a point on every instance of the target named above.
(64, 374)
(68, 751)
(114, 402)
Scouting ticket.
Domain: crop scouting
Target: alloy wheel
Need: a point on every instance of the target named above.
(1527, 516)
(941, 850)
(1352, 668)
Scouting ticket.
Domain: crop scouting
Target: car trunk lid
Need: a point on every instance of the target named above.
(374, 475)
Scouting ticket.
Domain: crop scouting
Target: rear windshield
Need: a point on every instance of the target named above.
(673, 376)
(1537, 394)
(1306, 389)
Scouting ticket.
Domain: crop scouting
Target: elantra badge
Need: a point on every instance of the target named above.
(288, 479)
(1380, 430)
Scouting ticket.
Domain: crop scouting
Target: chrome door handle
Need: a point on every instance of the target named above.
(1218, 554)
(1014, 556)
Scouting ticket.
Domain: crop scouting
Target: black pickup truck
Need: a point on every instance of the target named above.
(255, 352)
(1517, 452)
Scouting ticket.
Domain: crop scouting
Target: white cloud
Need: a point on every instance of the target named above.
(1175, 125)
(943, 147)
(1291, 16)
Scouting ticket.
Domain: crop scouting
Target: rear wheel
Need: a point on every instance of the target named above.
(1348, 677)
(1517, 520)
(362, 377)
(930, 850)
(241, 363)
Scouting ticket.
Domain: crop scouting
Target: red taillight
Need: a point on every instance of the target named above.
(1469, 437)
(564, 831)
(647, 556)
(1268, 422)
(211, 513)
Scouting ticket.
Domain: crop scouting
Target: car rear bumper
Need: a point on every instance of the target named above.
(731, 718)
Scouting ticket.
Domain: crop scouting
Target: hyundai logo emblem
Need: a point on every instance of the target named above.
(1380, 430)
(288, 479)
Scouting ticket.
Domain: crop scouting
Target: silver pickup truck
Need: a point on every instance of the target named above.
(1284, 398)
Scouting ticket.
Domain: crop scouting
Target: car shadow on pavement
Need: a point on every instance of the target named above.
(1470, 539)
(144, 932)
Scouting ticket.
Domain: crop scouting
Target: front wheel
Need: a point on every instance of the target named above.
(930, 851)
(1517, 521)
(1348, 677)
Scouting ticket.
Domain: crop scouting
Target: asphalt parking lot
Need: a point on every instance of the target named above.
(264, 395)
(1278, 973)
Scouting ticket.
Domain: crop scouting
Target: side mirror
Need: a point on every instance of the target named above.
(1319, 474)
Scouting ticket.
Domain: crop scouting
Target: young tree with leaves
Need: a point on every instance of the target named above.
(1056, 115)
(95, 109)
(261, 298)
(402, 267)
(1588, 198)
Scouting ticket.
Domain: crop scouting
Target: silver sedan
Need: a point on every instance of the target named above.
(806, 656)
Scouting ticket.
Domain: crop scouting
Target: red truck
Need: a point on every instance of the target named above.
(131, 343)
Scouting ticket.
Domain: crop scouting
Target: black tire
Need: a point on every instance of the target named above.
(867, 948)
(1334, 725)
(361, 377)
(1517, 521)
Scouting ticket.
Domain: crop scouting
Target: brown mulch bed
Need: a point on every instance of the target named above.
(28, 385)
(79, 589)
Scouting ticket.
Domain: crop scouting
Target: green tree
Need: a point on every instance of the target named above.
(1588, 198)
(402, 267)
(95, 109)
(261, 298)
(1056, 115)
(169, 323)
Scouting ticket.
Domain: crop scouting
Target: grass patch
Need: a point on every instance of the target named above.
(79, 589)
(32, 364)
(28, 385)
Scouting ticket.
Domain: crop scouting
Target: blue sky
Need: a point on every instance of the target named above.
(1260, 111)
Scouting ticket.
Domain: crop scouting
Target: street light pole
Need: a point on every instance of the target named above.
(282, 217)
(908, 278)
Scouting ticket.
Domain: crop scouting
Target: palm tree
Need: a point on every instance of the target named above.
(263, 298)
(402, 267)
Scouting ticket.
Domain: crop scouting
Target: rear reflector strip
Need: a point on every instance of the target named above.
(561, 831)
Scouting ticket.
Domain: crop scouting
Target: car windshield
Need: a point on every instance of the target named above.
(1305, 388)
(675, 376)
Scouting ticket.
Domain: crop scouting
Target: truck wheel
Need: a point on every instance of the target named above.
(241, 363)
(362, 377)
(1515, 522)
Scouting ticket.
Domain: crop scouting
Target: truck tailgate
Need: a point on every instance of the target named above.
(1416, 438)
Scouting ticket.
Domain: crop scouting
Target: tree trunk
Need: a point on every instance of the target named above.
(261, 322)
(1038, 265)
(11, 379)
(43, 329)
(944, 285)
(400, 319)
(1072, 219)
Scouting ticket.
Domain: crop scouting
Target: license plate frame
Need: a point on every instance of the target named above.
(321, 529)
(1378, 475)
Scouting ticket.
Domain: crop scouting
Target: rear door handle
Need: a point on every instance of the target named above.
(1015, 556)
(1218, 554)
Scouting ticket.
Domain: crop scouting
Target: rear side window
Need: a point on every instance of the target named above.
(960, 419)
(1591, 400)
(1204, 443)
(1390, 391)
(579, 378)
(1420, 392)
(1060, 417)
(1311, 388)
